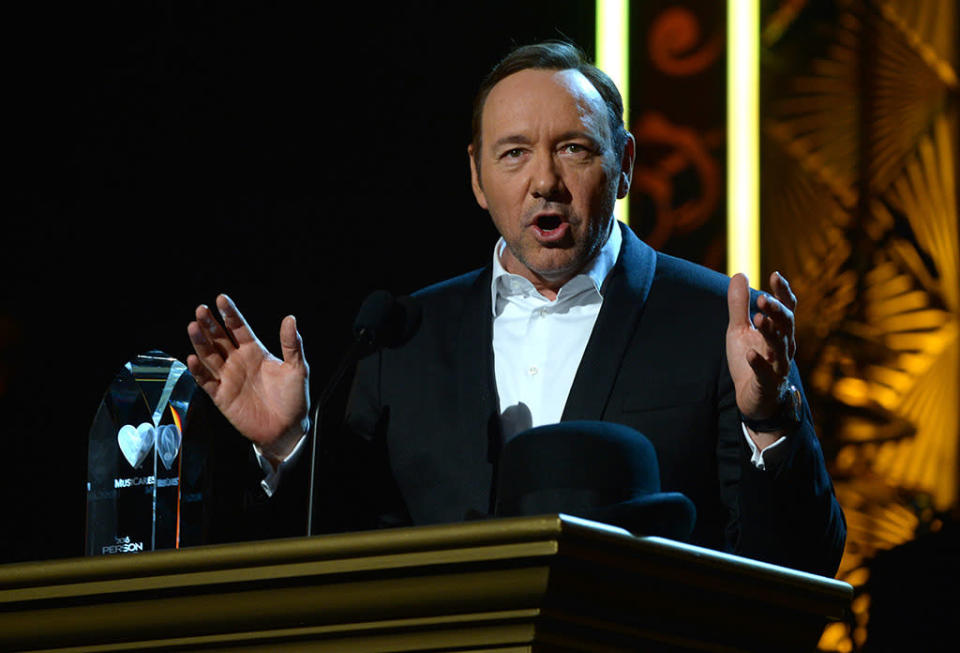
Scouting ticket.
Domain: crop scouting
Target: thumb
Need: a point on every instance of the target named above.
(738, 301)
(291, 344)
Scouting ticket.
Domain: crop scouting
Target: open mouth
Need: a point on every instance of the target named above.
(548, 222)
(551, 230)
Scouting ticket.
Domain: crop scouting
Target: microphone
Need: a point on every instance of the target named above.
(382, 321)
(386, 321)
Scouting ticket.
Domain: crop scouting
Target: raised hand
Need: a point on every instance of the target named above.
(265, 398)
(759, 352)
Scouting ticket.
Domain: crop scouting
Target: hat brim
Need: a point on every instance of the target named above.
(667, 514)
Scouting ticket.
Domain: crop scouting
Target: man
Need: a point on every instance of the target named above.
(575, 319)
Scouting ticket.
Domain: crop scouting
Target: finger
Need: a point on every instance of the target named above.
(783, 319)
(782, 291)
(738, 301)
(772, 343)
(767, 327)
(234, 321)
(776, 312)
(291, 344)
(214, 332)
(208, 353)
(776, 345)
(202, 375)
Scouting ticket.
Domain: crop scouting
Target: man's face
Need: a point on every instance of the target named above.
(548, 174)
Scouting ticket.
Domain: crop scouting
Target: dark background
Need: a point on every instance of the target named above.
(294, 157)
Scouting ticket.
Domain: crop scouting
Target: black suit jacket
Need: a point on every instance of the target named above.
(422, 434)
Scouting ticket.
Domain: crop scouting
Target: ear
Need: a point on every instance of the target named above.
(475, 180)
(626, 166)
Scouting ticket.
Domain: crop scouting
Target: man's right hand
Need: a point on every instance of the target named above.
(265, 398)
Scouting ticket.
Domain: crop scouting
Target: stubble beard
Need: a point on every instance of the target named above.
(583, 252)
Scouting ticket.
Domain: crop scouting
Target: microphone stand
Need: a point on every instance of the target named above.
(383, 321)
(361, 344)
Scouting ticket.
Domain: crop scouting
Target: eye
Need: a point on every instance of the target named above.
(515, 153)
(576, 149)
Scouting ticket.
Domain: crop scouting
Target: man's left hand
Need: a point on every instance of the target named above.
(759, 352)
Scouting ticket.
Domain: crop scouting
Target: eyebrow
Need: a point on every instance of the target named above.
(566, 136)
(513, 139)
(520, 139)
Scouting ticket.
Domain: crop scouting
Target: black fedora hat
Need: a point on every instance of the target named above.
(596, 470)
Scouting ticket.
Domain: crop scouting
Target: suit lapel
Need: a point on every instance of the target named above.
(477, 397)
(625, 292)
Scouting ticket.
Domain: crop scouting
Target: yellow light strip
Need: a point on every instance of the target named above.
(743, 139)
(613, 58)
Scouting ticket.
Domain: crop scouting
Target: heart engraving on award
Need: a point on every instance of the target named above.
(168, 444)
(135, 442)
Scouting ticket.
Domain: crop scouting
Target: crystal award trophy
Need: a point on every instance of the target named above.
(144, 473)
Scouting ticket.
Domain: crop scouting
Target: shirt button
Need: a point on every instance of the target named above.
(533, 370)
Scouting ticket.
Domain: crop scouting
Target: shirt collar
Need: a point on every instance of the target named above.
(593, 276)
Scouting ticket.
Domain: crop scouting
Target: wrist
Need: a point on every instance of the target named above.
(785, 418)
(280, 449)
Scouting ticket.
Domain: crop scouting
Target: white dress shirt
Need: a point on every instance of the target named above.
(538, 342)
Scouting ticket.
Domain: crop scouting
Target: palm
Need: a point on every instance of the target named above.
(260, 394)
(264, 397)
(744, 344)
(760, 351)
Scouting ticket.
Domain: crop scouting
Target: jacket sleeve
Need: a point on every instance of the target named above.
(786, 514)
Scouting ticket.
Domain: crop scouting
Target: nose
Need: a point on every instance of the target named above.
(547, 180)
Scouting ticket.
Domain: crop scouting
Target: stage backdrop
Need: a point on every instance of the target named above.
(859, 205)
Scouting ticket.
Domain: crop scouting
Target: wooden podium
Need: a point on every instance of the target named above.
(550, 583)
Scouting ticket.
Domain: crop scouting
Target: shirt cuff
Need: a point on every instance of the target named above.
(271, 481)
(770, 455)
